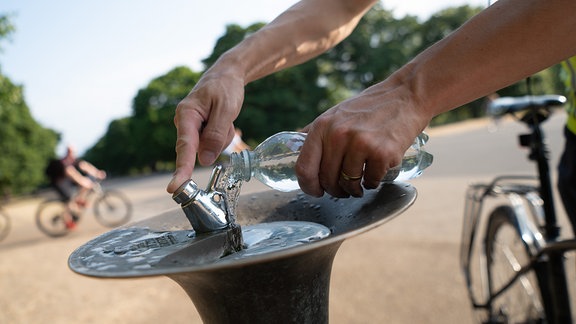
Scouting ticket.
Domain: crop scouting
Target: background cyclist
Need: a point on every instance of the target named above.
(68, 174)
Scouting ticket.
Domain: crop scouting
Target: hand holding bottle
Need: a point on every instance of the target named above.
(273, 162)
(360, 138)
(204, 122)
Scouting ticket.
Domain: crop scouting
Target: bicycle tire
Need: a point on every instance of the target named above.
(5, 225)
(112, 209)
(506, 252)
(49, 218)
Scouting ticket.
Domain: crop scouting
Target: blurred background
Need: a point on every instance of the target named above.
(106, 76)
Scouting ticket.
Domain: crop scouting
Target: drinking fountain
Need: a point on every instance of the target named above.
(280, 274)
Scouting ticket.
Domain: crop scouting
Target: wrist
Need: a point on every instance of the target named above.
(425, 98)
(228, 66)
(401, 92)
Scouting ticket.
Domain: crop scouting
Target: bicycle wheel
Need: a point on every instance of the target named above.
(50, 219)
(4, 225)
(112, 209)
(506, 253)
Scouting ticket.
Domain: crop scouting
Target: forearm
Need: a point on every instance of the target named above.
(204, 119)
(304, 31)
(506, 43)
(77, 177)
(90, 169)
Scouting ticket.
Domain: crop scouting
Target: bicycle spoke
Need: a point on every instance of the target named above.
(112, 209)
(516, 301)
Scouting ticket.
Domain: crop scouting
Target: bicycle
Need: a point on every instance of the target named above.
(111, 208)
(5, 224)
(512, 256)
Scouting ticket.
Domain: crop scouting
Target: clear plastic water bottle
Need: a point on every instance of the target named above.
(272, 162)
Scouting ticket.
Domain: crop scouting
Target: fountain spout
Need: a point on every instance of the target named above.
(206, 210)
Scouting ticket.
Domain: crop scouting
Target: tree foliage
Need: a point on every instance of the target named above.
(287, 100)
(145, 141)
(292, 98)
(6, 28)
(115, 151)
(443, 23)
(25, 145)
(378, 46)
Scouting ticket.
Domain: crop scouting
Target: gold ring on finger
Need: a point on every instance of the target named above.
(346, 177)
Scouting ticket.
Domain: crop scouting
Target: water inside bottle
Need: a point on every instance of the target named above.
(411, 167)
(278, 172)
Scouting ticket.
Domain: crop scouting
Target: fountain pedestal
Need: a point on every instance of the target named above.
(289, 285)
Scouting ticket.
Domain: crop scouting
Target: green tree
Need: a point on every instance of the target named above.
(25, 145)
(234, 34)
(443, 23)
(144, 142)
(437, 27)
(286, 100)
(115, 151)
(6, 28)
(152, 121)
(291, 98)
(377, 47)
(448, 20)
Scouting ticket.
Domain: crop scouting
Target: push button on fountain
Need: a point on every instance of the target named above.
(186, 192)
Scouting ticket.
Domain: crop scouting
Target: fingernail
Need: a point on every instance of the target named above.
(171, 185)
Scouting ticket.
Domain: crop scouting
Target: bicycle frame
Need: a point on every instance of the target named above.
(94, 192)
(535, 213)
(96, 189)
(558, 297)
(111, 208)
(523, 199)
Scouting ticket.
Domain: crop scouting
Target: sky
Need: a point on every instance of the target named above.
(82, 62)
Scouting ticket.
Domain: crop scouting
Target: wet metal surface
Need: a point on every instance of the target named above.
(290, 284)
(166, 234)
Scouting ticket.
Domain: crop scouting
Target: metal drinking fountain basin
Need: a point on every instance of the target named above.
(288, 285)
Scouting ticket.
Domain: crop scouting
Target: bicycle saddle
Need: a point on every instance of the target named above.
(507, 105)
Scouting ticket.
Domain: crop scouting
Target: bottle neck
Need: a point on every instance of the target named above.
(241, 164)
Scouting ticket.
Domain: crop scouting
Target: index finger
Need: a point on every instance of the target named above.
(188, 126)
(308, 164)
